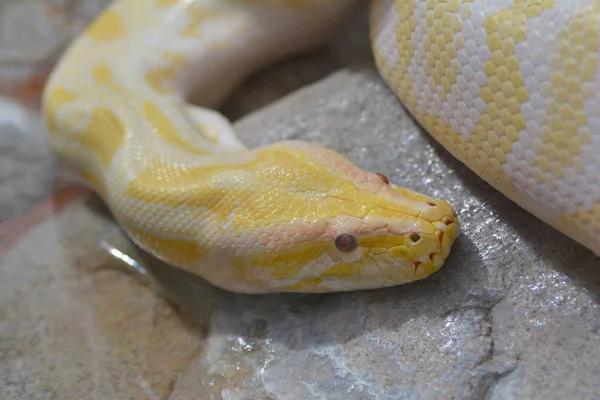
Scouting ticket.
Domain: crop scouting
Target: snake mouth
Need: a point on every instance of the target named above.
(447, 230)
(445, 237)
(447, 234)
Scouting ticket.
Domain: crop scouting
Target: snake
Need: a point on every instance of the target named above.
(510, 88)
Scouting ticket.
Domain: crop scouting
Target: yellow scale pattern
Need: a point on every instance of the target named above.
(576, 67)
(163, 78)
(108, 27)
(485, 151)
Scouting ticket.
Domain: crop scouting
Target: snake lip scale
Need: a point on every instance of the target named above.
(511, 88)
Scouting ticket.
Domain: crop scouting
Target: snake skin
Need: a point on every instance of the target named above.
(511, 88)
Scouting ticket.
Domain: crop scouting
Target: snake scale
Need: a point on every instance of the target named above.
(511, 88)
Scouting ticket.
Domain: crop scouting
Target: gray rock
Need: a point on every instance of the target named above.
(27, 170)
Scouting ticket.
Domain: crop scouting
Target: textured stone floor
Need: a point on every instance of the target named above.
(513, 314)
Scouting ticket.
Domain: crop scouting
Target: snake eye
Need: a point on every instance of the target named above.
(383, 178)
(346, 243)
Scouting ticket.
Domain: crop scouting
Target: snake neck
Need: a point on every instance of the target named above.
(121, 93)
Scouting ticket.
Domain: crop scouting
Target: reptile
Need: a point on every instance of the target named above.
(511, 88)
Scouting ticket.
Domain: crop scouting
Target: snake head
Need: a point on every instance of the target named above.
(339, 228)
(405, 236)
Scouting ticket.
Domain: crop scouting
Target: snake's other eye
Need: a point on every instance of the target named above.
(415, 237)
(346, 243)
(383, 178)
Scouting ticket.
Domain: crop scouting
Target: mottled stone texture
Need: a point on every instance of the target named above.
(513, 314)
(26, 170)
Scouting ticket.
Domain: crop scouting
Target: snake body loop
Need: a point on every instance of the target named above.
(511, 88)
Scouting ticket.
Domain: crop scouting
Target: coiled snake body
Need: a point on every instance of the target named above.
(509, 87)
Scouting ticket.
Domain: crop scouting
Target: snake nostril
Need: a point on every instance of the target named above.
(447, 221)
(415, 237)
(432, 203)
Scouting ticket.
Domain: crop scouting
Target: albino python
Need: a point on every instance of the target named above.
(509, 87)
